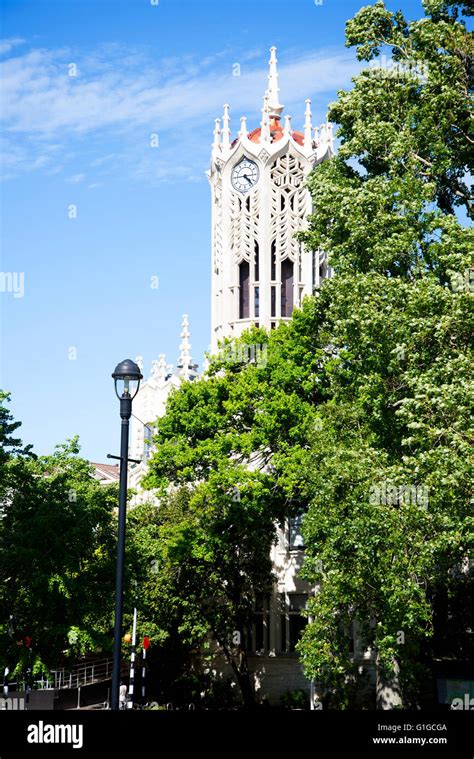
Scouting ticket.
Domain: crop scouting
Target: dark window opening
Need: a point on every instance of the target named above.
(297, 625)
(261, 618)
(257, 269)
(286, 287)
(281, 609)
(273, 251)
(244, 284)
(257, 301)
(283, 643)
(273, 301)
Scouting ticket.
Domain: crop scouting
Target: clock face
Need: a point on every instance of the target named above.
(244, 175)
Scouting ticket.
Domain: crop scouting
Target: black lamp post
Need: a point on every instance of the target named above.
(127, 378)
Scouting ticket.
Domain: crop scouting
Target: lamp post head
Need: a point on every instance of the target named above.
(128, 373)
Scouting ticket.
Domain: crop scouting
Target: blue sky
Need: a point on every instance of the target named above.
(142, 211)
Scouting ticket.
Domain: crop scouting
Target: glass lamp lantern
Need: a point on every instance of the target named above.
(127, 378)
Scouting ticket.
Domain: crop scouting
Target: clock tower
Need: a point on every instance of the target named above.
(260, 272)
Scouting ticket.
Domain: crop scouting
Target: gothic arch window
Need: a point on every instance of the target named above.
(286, 287)
(244, 290)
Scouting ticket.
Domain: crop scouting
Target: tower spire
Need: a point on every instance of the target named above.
(274, 106)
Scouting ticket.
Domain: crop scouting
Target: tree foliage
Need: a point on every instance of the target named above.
(56, 556)
(390, 519)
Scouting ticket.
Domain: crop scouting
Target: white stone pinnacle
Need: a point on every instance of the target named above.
(217, 132)
(185, 361)
(308, 127)
(226, 127)
(274, 105)
(265, 122)
(160, 368)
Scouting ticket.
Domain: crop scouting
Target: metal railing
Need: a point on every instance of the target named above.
(83, 673)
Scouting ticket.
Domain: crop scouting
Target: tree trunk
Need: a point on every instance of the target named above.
(246, 689)
(240, 667)
(387, 688)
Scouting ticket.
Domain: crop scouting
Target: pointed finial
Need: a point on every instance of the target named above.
(226, 127)
(217, 132)
(308, 127)
(329, 135)
(160, 368)
(316, 134)
(185, 361)
(265, 122)
(287, 129)
(274, 105)
(243, 126)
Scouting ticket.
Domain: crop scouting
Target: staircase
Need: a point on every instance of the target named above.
(83, 673)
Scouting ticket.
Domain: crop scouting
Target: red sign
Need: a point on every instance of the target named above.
(146, 642)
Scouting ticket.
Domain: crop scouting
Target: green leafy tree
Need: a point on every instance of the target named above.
(56, 557)
(389, 526)
(212, 553)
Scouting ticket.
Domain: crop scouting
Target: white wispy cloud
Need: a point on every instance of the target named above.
(76, 178)
(8, 44)
(120, 96)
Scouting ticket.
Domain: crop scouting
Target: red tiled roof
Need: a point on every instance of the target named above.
(112, 470)
(276, 133)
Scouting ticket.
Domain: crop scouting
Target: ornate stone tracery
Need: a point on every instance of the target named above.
(288, 205)
(244, 224)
